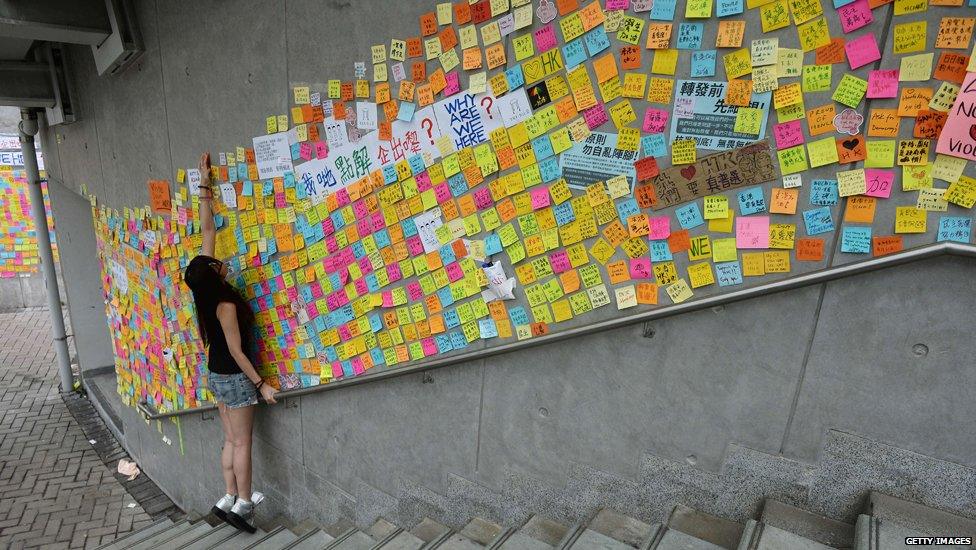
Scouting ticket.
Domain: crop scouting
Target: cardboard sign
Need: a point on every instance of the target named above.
(746, 166)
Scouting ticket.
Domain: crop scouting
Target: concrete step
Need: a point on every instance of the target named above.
(663, 538)
(382, 529)
(808, 525)
(588, 539)
(760, 536)
(313, 540)
(544, 530)
(620, 527)
(429, 530)
(216, 535)
(199, 529)
(919, 517)
(304, 527)
(403, 540)
(353, 539)
(718, 531)
(137, 536)
(278, 539)
(457, 541)
(481, 530)
(241, 540)
(521, 541)
(157, 540)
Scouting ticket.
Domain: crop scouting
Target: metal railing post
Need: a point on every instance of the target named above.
(28, 129)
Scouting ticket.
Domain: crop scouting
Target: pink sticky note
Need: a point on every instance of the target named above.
(337, 370)
(305, 150)
(862, 50)
(879, 182)
(883, 83)
(430, 348)
(655, 120)
(855, 15)
(958, 137)
(613, 5)
(640, 268)
(540, 197)
(559, 260)
(595, 116)
(788, 134)
(660, 228)
(453, 83)
(321, 149)
(545, 39)
(752, 232)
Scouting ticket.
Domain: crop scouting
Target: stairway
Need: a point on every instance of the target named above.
(883, 525)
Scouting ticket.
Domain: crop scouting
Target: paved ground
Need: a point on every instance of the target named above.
(55, 491)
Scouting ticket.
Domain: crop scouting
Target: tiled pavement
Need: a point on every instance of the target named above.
(55, 491)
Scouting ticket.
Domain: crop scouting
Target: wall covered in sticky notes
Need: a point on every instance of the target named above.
(604, 158)
(18, 241)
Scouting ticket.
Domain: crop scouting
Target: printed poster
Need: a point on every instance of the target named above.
(597, 159)
(700, 113)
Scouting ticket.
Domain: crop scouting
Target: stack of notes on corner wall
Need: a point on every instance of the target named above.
(18, 241)
(505, 167)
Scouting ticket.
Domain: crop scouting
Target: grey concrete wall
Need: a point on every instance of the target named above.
(730, 413)
(21, 292)
(813, 396)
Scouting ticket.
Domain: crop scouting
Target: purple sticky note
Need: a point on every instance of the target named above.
(879, 182)
(788, 134)
(752, 232)
(883, 83)
(545, 39)
(862, 50)
(595, 116)
(855, 15)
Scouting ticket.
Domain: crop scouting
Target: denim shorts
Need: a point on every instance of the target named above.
(233, 390)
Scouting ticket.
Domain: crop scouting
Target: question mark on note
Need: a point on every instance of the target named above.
(489, 106)
(428, 124)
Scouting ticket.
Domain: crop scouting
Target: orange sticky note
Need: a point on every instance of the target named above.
(783, 201)
(860, 209)
(809, 250)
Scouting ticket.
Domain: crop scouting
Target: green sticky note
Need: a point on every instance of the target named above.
(723, 250)
(881, 154)
(823, 151)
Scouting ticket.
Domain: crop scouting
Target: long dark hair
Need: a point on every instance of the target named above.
(209, 289)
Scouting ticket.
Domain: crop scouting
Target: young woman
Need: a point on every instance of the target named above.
(225, 321)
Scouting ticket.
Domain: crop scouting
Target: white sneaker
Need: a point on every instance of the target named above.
(241, 514)
(223, 506)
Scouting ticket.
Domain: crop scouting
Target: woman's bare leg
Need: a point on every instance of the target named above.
(227, 452)
(241, 422)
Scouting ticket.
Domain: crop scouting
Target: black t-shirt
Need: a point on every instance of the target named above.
(219, 359)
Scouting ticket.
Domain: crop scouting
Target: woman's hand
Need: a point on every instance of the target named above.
(205, 182)
(268, 393)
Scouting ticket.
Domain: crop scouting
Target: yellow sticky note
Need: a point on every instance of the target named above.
(683, 151)
(665, 61)
(724, 250)
(916, 68)
(774, 15)
(813, 34)
(679, 291)
(909, 37)
(698, 9)
(909, 219)
(748, 121)
(701, 275)
(737, 63)
(881, 153)
(851, 182)
(822, 152)
(716, 207)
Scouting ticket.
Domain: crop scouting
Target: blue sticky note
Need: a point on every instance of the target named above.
(447, 255)
(409, 227)
(955, 228)
(662, 10)
(824, 192)
(818, 221)
(493, 244)
(689, 216)
(751, 201)
(703, 63)
(417, 164)
(728, 273)
(724, 8)
(241, 171)
(689, 36)
(382, 237)
(549, 168)
(458, 184)
(574, 53)
(390, 174)
(514, 77)
(855, 240)
(406, 111)
(445, 296)
(660, 251)
(443, 342)
(487, 328)
(247, 188)
(841, 3)
(295, 151)
(458, 341)
(542, 147)
(627, 208)
(653, 145)
(451, 318)
(564, 213)
(596, 40)
(518, 315)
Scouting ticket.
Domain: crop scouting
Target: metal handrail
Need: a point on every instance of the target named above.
(806, 279)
